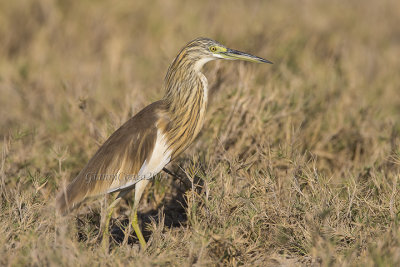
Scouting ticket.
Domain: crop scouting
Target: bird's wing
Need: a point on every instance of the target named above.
(133, 152)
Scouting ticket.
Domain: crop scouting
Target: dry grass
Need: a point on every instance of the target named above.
(298, 162)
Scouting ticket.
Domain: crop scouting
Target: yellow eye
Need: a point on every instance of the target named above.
(213, 49)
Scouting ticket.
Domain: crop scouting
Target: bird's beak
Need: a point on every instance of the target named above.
(234, 54)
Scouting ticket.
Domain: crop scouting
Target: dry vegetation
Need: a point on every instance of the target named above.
(298, 162)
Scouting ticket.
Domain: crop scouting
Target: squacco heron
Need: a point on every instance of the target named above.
(155, 136)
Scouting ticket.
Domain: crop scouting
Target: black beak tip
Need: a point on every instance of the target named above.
(267, 61)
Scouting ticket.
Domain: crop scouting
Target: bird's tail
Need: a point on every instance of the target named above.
(71, 196)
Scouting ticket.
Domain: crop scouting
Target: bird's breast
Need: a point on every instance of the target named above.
(181, 131)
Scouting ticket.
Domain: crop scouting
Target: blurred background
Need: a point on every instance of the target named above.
(71, 72)
(55, 52)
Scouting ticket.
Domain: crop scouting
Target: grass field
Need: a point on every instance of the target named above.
(298, 162)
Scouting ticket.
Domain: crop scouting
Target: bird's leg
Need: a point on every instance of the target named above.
(109, 213)
(139, 188)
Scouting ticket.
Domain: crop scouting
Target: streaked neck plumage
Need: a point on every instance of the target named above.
(184, 80)
(185, 99)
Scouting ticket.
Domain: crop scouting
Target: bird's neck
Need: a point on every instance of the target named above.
(186, 102)
(185, 89)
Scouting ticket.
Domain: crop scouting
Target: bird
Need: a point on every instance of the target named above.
(155, 136)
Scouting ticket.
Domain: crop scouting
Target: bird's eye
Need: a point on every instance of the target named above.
(213, 49)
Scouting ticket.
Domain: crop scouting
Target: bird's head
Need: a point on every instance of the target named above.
(180, 81)
(202, 50)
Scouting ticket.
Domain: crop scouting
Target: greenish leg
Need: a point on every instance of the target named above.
(136, 227)
(139, 188)
(106, 233)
